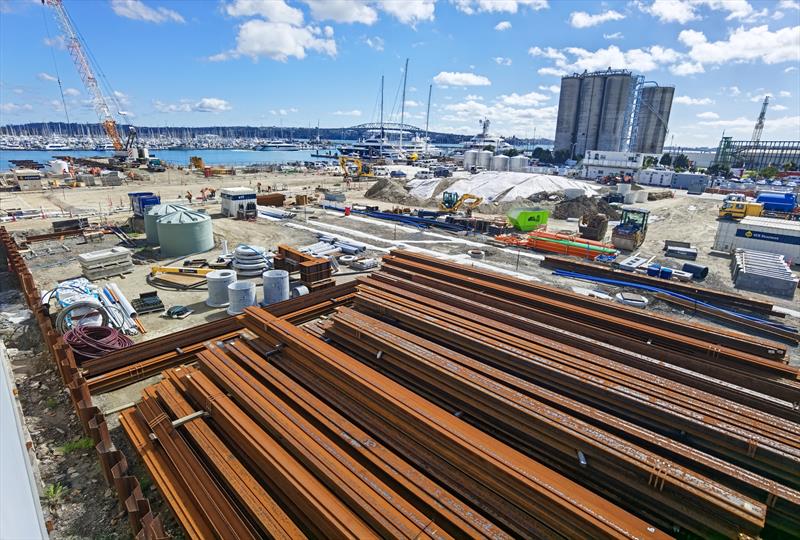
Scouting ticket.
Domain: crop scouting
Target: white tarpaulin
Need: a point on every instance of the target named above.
(499, 186)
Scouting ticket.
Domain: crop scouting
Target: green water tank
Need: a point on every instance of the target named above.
(152, 215)
(184, 232)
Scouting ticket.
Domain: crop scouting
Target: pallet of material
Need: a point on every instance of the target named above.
(765, 273)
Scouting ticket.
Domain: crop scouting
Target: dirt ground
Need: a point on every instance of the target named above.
(685, 218)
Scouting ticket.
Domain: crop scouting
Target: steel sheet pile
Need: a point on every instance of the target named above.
(443, 401)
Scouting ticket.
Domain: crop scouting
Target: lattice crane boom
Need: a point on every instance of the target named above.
(756, 138)
(76, 51)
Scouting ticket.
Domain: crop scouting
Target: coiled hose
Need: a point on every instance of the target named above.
(62, 325)
(95, 341)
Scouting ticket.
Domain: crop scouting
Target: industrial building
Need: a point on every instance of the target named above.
(612, 110)
(756, 154)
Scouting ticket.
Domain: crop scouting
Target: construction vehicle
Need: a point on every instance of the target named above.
(156, 165)
(632, 229)
(82, 60)
(593, 226)
(452, 203)
(738, 209)
(197, 162)
(355, 169)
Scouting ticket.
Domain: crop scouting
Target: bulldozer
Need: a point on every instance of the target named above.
(355, 169)
(452, 203)
(593, 226)
(632, 229)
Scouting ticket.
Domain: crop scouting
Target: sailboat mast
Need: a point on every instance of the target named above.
(428, 117)
(403, 104)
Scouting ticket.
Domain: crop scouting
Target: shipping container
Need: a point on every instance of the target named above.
(770, 236)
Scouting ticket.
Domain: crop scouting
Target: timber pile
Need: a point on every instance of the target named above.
(444, 401)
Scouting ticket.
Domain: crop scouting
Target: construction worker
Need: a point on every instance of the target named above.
(258, 187)
(189, 196)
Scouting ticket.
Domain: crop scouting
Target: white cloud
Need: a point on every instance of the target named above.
(122, 98)
(452, 78)
(409, 13)
(784, 126)
(687, 68)
(374, 43)
(342, 11)
(790, 69)
(59, 42)
(271, 10)
(502, 61)
(683, 11)
(278, 41)
(471, 7)
(686, 100)
(577, 60)
(412, 103)
(212, 105)
(530, 99)
(745, 44)
(139, 11)
(733, 91)
(72, 92)
(708, 115)
(554, 88)
(502, 26)
(778, 107)
(354, 112)
(46, 77)
(615, 35)
(506, 119)
(473, 97)
(789, 4)
(581, 19)
(15, 107)
(785, 93)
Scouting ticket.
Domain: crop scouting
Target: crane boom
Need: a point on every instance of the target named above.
(84, 67)
(756, 138)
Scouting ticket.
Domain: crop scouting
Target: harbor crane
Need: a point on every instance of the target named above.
(77, 51)
(756, 138)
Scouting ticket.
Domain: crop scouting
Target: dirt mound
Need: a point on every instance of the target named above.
(575, 208)
(390, 190)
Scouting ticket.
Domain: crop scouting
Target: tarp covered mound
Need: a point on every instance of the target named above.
(501, 186)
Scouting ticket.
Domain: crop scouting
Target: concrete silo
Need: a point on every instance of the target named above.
(590, 112)
(567, 122)
(615, 115)
(653, 119)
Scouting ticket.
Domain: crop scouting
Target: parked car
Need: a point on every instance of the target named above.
(397, 174)
(424, 174)
(442, 172)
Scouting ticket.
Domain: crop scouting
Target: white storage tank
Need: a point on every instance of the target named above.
(144, 153)
(276, 286)
(500, 163)
(518, 163)
(470, 159)
(184, 232)
(641, 196)
(153, 215)
(623, 189)
(769, 235)
(484, 159)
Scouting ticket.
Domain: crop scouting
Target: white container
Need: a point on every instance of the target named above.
(218, 282)
(726, 231)
(518, 163)
(276, 286)
(470, 159)
(500, 163)
(241, 294)
(630, 197)
(622, 189)
(641, 196)
(769, 235)
(484, 159)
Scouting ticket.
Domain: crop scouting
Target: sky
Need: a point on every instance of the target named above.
(304, 62)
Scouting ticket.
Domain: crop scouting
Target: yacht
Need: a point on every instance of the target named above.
(484, 139)
(421, 147)
(56, 146)
(372, 147)
(278, 145)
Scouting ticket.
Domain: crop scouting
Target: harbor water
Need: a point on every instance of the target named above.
(173, 157)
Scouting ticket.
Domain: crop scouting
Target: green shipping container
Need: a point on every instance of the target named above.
(527, 219)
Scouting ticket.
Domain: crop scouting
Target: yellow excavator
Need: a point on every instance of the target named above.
(355, 169)
(451, 202)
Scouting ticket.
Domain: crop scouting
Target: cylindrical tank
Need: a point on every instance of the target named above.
(299, 290)
(622, 189)
(653, 119)
(218, 282)
(630, 197)
(153, 215)
(614, 119)
(567, 122)
(518, 163)
(641, 196)
(500, 163)
(144, 153)
(276, 286)
(184, 232)
(589, 113)
(470, 159)
(484, 159)
(241, 294)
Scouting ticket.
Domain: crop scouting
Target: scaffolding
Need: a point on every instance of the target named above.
(757, 155)
(631, 128)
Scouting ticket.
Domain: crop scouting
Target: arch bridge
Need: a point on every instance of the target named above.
(394, 127)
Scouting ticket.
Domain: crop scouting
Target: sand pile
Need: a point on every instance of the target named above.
(575, 208)
(391, 190)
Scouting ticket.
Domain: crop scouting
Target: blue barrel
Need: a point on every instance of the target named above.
(697, 270)
(666, 273)
(653, 270)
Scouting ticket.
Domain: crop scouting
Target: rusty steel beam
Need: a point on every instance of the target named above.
(415, 359)
(771, 447)
(631, 353)
(579, 304)
(528, 488)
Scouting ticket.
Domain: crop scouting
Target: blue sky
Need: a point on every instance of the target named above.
(270, 62)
